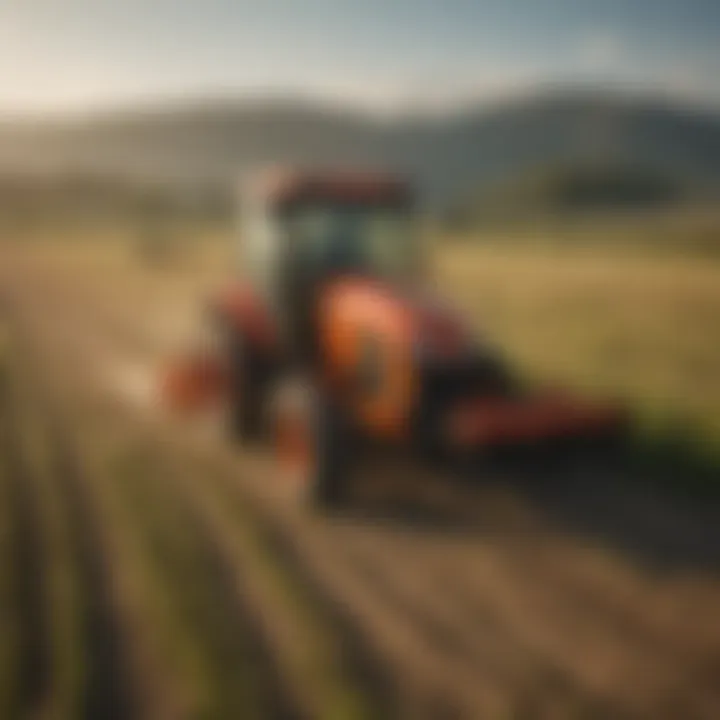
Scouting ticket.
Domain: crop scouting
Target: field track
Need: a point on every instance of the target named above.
(194, 585)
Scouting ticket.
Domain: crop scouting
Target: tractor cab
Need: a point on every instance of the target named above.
(299, 231)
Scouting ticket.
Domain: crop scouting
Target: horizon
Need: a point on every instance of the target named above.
(149, 106)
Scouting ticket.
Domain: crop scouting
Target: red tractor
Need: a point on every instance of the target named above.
(328, 341)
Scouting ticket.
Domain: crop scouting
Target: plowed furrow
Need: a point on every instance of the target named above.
(209, 595)
(413, 573)
(588, 650)
(189, 566)
(631, 602)
(27, 581)
(108, 688)
(427, 681)
(427, 685)
(215, 547)
(631, 615)
(321, 656)
(106, 684)
(318, 670)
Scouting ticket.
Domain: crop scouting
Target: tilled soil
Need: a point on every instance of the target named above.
(428, 597)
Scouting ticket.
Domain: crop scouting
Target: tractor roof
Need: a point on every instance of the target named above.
(283, 186)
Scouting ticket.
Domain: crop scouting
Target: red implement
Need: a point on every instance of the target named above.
(483, 421)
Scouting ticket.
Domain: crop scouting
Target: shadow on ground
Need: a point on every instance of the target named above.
(658, 507)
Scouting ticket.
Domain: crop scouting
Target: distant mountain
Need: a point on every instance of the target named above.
(449, 156)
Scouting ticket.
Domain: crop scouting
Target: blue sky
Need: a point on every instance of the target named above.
(58, 55)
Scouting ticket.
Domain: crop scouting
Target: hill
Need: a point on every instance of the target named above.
(449, 155)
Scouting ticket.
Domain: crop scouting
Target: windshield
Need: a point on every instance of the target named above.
(377, 240)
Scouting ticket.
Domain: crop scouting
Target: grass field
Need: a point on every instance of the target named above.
(149, 571)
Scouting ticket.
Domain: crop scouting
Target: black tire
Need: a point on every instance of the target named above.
(247, 391)
(320, 477)
(244, 412)
(328, 484)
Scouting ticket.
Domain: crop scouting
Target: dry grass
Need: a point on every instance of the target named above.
(644, 328)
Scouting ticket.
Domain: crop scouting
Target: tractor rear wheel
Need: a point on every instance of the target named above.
(312, 444)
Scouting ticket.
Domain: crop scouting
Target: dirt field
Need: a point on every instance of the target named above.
(148, 569)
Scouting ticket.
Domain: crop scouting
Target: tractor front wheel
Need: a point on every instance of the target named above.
(312, 444)
(243, 405)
